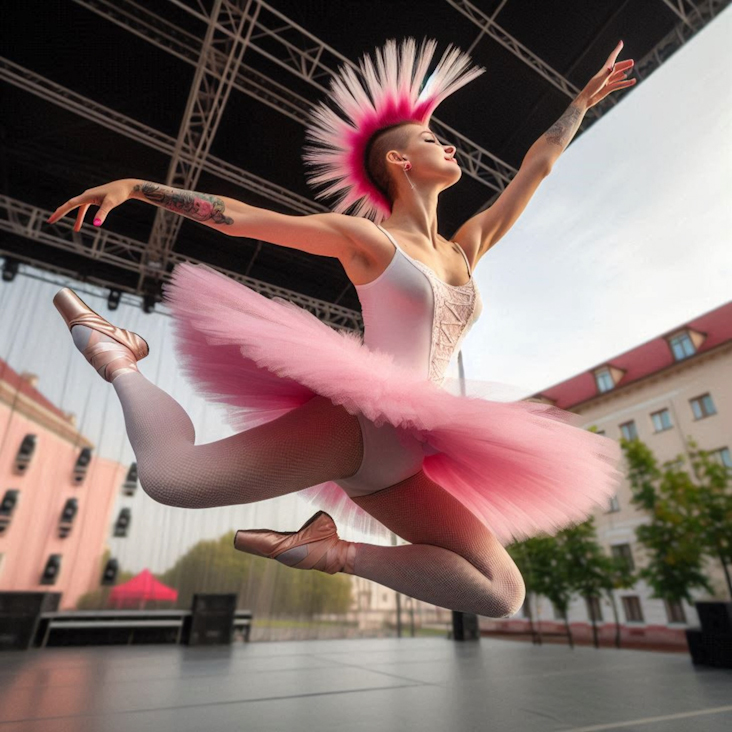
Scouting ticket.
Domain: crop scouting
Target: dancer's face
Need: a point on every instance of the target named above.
(433, 161)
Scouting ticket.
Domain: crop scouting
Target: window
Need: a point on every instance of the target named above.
(703, 406)
(594, 611)
(51, 570)
(70, 509)
(675, 612)
(614, 504)
(10, 499)
(622, 551)
(604, 380)
(661, 420)
(632, 608)
(721, 456)
(7, 507)
(682, 346)
(629, 431)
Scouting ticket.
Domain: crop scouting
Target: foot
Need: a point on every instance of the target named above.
(110, 361)
(112, 351)
(315, 546)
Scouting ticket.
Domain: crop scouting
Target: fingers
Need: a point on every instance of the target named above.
(619, 75)
(82, 202)
(104, 209)
(622, 84)
(616, 51)
(64, 208)
(80, 217)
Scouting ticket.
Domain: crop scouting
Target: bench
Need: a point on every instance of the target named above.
(129, 620)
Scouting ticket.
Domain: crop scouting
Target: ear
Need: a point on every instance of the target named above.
(394, 156)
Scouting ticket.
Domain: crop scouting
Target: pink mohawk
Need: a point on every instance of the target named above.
(394, 96)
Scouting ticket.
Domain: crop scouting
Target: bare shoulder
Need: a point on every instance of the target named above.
(362, 232)
(370, 251)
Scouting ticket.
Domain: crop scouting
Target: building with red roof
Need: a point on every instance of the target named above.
(56, 496)
(672, 387)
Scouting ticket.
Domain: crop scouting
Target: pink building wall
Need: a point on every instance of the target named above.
(32, 534)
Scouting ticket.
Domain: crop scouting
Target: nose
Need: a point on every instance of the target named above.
(450, 150)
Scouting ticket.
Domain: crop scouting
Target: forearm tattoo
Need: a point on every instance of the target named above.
(562, 131)
(198, 206)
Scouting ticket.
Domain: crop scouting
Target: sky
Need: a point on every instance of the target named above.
(627, 238)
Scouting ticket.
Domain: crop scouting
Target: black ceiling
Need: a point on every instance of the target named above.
(50, 154)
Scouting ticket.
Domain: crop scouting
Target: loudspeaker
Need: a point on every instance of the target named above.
(20, 614)
(710, 649)
(465, 626)
(211, 621)
(697, 647)
(715, 617)
(719, 649)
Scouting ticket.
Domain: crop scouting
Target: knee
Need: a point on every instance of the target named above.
(506, 598)
(163, 486)
(514, 596)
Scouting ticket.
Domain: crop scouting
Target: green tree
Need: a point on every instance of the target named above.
(545, 570)
(714, 507)
(673, 565)
(592, 572)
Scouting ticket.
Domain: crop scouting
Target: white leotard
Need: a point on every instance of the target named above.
(410, 312)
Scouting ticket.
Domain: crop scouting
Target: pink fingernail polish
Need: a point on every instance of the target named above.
(97, 222)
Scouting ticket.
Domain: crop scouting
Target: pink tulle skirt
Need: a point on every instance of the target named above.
(523, 468)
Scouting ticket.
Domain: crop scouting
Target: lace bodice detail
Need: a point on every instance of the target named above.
(455, 307)
(411, 313)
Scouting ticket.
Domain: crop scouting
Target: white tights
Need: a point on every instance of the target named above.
(453, 560)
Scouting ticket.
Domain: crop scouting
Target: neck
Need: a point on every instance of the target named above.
(416, 212)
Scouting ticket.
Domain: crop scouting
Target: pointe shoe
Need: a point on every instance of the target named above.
(320, 535)
(101, 355)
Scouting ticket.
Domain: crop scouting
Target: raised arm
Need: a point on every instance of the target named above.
(326, 234)
(479, 233)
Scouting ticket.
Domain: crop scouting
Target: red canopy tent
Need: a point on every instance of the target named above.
(139, 590)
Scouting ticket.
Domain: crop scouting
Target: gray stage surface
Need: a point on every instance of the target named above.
(419, 684)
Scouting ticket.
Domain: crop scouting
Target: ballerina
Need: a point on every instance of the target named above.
(364, 428)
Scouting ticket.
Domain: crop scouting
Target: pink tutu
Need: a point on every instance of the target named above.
(522, 467)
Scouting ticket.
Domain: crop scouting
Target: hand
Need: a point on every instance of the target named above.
(106, 196)
(608, 79)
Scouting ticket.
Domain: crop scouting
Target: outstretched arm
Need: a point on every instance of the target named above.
(326, 234)
(482, 231)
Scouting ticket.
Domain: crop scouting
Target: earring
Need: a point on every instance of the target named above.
(407, 167)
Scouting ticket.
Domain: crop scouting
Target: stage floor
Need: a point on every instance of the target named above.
(397, 685)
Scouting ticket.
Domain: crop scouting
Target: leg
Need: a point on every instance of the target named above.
(453, 560)
(316, 442)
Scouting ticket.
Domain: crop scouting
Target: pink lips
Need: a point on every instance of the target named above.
(452, 160)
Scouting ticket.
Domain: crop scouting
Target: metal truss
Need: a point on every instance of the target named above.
(207, 100)
(107, 117)
(491, 28)
(690, 19)
(186, 46)
(233, 26)
(700, 13)
(291, 47)
(29, 221)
